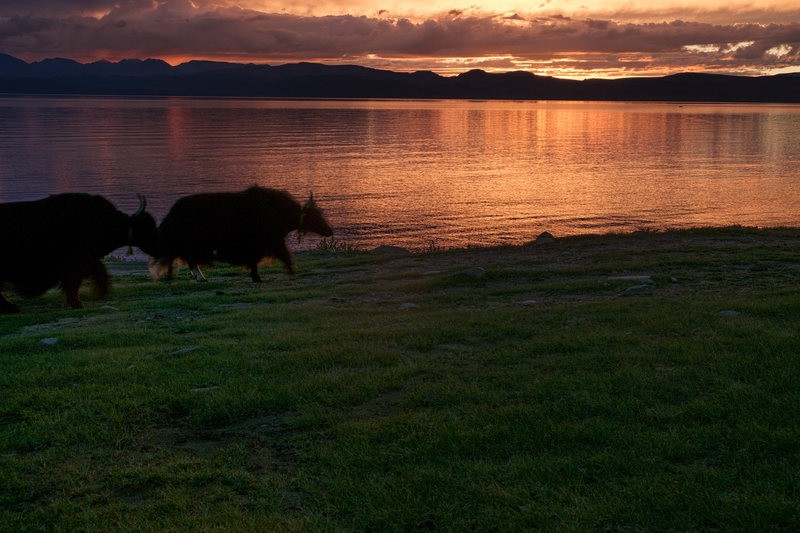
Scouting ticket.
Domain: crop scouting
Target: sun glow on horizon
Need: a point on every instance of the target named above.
(575, 66)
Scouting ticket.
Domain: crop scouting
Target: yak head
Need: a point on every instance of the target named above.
(311, 219)
(142, 230)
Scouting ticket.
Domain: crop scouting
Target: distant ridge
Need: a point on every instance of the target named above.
(153, 77)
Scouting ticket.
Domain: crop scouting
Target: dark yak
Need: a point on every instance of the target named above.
(61, 239)
(240, 228)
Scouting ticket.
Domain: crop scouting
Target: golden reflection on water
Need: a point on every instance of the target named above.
(412, 173)
(576, 168)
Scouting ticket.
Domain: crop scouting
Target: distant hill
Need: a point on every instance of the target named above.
(310, 80)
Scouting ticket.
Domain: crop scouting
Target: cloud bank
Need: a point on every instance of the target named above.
(454, 40)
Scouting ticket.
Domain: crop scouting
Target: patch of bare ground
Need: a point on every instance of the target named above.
(266, 440)
(380, 406)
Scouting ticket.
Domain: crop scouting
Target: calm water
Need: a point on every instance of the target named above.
(413, 173)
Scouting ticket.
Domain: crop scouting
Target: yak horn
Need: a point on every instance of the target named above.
(142, 205)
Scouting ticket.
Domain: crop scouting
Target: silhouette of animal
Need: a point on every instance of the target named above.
(61, 239)
(240, 228)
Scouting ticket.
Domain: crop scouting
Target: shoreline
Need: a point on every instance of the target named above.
(601, 267)
(711, 260)
(340, 247)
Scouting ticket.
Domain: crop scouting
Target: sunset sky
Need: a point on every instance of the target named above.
(567, 38)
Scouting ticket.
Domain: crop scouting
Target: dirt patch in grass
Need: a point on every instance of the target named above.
(380, 406)
(265, 439)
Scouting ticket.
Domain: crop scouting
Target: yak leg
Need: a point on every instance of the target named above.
(283, 253)
(70, 287)
(198, 276)
(6, 306)
(254, 273)
(97, 271)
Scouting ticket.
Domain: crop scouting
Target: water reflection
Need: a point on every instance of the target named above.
(412, 172)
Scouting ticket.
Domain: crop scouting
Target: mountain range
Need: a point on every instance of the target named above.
(153, 77)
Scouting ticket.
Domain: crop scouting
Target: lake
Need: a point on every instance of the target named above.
(421, 173)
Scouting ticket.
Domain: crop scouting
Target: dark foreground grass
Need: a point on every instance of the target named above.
(392, 393)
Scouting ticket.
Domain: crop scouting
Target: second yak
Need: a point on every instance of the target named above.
(240, 228)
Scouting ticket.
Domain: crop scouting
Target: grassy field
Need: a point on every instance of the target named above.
(640, 382)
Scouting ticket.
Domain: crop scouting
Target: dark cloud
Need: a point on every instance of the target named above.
(179, 28)
(53, 8)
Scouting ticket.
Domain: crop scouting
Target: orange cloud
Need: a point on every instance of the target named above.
(456, 40)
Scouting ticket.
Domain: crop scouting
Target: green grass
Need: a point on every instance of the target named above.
(542, 395)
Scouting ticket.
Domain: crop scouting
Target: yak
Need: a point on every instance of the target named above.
(61, 239)
(239, 228)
